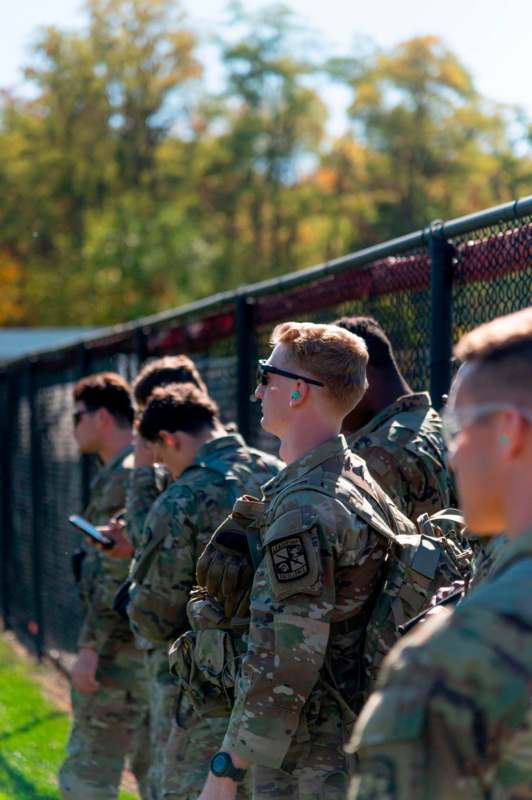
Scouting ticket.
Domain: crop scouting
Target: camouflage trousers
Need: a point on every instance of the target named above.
(193, 741)
(109, 727)
(315, 767)
(163, 694)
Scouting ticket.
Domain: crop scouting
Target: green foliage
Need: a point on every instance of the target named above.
(127, 188)
(32, 735)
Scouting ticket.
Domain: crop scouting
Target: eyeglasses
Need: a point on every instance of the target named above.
(264, 368)
(78, 415)
(455, 420)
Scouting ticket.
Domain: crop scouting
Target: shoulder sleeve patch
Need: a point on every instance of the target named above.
(289, 559)
(292, 554)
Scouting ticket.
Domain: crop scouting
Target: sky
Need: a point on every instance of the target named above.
(491, 37)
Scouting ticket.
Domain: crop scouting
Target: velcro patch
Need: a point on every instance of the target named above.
(289, 559)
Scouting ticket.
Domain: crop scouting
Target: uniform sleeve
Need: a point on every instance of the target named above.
(101, 575)
(145, 486)
(293, 602)
(451, 710)
(157, 609)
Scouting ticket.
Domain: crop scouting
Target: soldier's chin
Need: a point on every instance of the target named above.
(266, 426)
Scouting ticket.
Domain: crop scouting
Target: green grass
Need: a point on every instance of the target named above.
(33, 734)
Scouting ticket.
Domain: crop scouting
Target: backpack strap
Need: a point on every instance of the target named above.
(381, 525)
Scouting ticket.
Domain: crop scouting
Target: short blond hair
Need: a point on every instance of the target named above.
(502, 351)
(330, 354)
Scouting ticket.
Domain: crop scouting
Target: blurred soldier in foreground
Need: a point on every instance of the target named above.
(210, 468)
(396, 431)
(108, 678)
(452, 717)
(322, 561)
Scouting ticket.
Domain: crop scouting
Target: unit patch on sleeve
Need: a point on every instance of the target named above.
(289, 559)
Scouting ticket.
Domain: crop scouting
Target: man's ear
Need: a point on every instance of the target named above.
(171, 439)
(104, 417)
(299, 394)
(511, 434)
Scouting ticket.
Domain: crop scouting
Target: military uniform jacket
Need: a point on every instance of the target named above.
(178, 527)
(405, 452)
(452, 717)
(100, 575)
(145, 486)
(312, 593)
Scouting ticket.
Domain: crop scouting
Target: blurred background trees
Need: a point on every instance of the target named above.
(128, 187)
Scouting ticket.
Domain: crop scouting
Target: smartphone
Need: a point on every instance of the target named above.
(89, 530)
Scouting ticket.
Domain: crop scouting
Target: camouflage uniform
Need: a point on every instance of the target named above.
(405, 452)
(323, 561)
(452, 717)
(486, 553)
(145, 486)
(177, 528)
(112, 722)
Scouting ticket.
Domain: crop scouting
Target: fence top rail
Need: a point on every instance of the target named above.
(513, 210)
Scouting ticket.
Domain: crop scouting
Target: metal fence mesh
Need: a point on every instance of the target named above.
(493, 273)
(43, 479)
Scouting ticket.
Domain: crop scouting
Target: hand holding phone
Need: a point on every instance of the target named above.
(89, 530)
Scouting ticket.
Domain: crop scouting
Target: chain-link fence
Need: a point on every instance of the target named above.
(426, 289)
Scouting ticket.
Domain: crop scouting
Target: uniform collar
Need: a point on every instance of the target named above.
(513, 550)
(335, 447)
(111, 465)
(231, 441)
(407, 402)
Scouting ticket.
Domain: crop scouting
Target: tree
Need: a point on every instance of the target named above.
(106, 97)
(269, 122)
(438, 145)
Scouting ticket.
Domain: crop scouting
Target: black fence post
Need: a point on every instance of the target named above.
(441, 336)
(37, 629)
(246, 350)
(84, 362)
(141, 345)
(8, 417)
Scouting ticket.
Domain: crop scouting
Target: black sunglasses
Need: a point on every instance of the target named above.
(263, 368)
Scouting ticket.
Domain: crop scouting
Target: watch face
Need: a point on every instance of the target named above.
(219, 764)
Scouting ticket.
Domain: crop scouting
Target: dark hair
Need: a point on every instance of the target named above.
(163, 372)
(379, 346)
(106, 390)
(178, 407)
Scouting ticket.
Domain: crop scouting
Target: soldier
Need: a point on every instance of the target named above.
(148, 480)
(396, 431)
(323, 558)
(210, 468)
(108, 684)
(452, 717)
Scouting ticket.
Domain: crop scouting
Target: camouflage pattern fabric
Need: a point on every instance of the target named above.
(324, 555)
(405, 452)
(113, 721)
(100, 575)
(177, 528)
(452, 717)
(145, 486)
(190, 747)
(486, 554)
(163, 696)
(110, 728)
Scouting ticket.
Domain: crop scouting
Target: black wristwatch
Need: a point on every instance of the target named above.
(222, 766)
